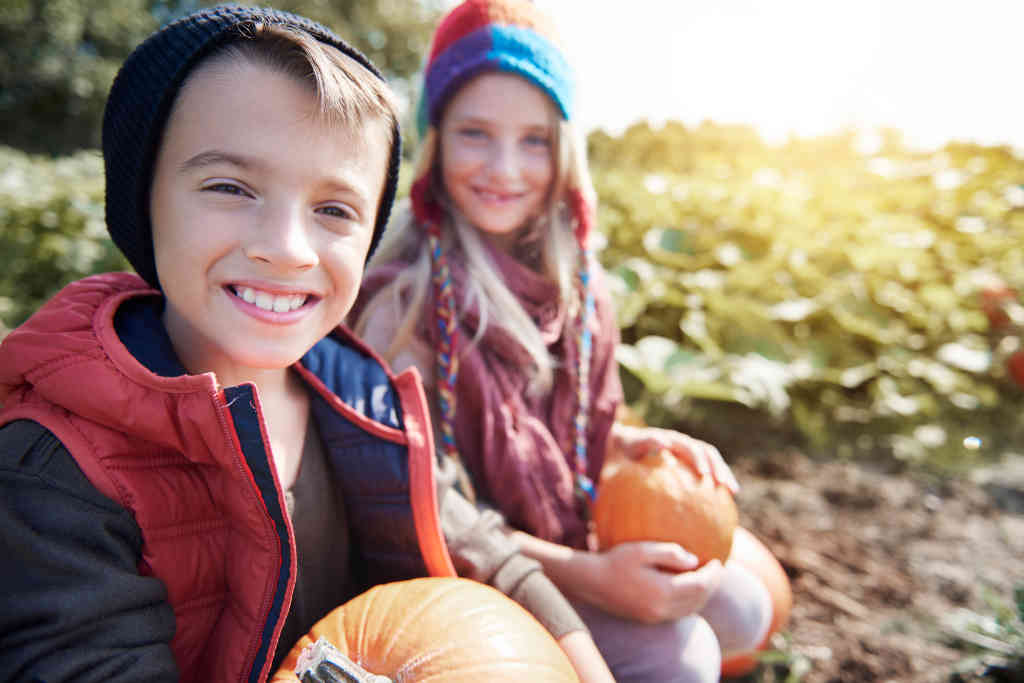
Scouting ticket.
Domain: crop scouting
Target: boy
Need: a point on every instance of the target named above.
(197, 464)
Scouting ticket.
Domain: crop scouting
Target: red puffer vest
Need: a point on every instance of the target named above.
(190, 460)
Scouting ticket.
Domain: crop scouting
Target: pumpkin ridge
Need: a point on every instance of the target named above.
(366, 609)
(435, 595)
(423, 658)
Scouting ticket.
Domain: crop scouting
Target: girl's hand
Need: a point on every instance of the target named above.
(652, 581)
(635, 442)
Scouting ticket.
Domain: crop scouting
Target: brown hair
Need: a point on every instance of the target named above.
(348, 94)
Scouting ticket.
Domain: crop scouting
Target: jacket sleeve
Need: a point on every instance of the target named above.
(73, 606)
(483, 551)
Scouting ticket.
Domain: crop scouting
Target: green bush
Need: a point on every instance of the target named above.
(816, 287)
(51, 228)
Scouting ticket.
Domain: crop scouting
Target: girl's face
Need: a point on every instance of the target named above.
(262, 216)
(497, 140)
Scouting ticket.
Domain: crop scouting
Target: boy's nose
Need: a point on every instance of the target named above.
(282, 239)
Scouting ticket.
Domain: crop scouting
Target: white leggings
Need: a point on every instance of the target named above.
(689, 650)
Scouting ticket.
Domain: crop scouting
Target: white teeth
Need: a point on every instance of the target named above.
(496, 197)
(271, 302)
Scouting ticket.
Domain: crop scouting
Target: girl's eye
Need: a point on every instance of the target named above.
(226, 188)
(538, 141)
(472, 133)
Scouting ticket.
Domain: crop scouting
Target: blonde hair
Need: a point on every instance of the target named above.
(348, 94)
(552, 232)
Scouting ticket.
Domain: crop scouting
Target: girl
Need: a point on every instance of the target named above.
(488, 288)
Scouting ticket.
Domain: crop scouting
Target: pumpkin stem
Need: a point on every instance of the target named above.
(321, 662)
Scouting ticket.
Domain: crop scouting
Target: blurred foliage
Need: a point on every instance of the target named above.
(51, 228)
(834, 288)
(57, 60)
(993, 641)
(59, 57)
(394, 34)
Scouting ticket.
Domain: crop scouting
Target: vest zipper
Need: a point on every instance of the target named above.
(238, 406)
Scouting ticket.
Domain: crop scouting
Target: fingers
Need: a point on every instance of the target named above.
(653, 582)
(719, 469)
(669, 557)
(633, 442)
(692, 590)
(705, 458)
(702, 456)
(705, 579)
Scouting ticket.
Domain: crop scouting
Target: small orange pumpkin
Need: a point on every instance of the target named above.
(749, 552)
(438, 629)
(661, 498)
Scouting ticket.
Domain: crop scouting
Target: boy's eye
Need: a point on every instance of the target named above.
(226, 188)
(338, 212)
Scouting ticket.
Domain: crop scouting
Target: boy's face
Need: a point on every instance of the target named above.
(262, 216)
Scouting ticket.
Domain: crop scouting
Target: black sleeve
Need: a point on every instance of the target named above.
(73, 606)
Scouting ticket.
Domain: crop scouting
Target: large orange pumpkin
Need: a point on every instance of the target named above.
(661, 498)
(439, 629)
(754, 556)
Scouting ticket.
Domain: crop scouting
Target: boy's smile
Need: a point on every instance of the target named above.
(262, 216)
(270, 301)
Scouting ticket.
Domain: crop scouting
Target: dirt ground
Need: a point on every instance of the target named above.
(882, 561)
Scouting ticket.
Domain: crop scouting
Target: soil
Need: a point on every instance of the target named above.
(883, 560)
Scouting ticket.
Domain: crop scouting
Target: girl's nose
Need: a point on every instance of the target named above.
(282, 239)
(505, 161)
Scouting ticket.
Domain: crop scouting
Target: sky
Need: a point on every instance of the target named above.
(938, 71)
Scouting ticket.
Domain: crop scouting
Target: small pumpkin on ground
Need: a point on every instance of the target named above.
(431, 630)
(661, 498)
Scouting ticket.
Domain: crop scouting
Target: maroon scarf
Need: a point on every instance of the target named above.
(518, 447)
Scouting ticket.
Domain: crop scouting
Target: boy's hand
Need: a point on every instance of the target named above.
(653, 582)
(635, 442)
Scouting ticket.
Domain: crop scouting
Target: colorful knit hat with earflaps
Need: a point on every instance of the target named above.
(510, 36)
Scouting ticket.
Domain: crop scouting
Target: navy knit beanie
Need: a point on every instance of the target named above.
(140, 102)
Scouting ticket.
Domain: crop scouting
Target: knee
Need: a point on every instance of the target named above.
(700, 659)
(740, 611)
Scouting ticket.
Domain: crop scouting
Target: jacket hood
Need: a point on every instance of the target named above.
(71, 354)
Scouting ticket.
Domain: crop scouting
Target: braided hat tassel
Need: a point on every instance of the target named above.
(447, 350)
(584, 484)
